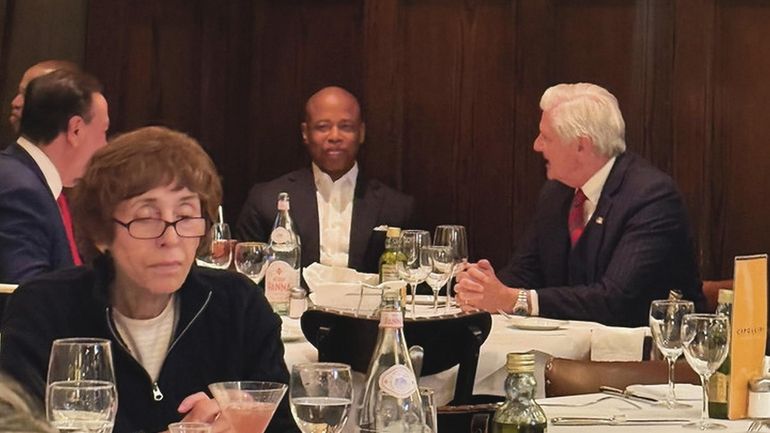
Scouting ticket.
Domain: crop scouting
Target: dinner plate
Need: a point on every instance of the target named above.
(536, 323)
(425, 300)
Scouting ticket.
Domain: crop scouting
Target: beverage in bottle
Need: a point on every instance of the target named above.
(720, 380)
(391, 256)
(391, 401)
(283, 258)
(520, 413)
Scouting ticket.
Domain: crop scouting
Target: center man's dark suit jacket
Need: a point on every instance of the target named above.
(32, 236)
(374, 204)
(636, 247)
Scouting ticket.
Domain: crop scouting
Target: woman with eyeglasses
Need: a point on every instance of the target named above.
(144, 207)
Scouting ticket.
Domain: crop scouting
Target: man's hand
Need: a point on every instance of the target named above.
(478, 288)
(200, 408)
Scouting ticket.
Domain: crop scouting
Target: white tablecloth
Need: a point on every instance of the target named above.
(605, 408)
(571, 341)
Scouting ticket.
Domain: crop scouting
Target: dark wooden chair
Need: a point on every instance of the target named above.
(447, 341)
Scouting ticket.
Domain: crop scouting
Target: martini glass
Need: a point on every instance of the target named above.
(248, 405)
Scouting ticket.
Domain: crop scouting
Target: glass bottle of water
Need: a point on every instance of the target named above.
(392, 399)
(520, 413)
(283, 258)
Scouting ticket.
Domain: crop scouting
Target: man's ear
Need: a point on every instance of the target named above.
(585, 144)
(363, 133)
(303, 130)
(73, 129)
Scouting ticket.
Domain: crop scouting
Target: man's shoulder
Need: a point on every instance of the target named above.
(639, 175)
(384, 189)
(17, 175)
(292, 178)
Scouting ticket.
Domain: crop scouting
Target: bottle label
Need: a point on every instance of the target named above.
(389, 272)
(280, 235)
(279, 279)
(718, 388)
(391, 319)
(398, 381)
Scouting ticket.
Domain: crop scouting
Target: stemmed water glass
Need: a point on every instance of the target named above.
(666, 325)
(416, 265)
(248, 405)
(442, 262)
(251, 259)
(454, 237)
(80, 392)
(320, 395)
(706, 340)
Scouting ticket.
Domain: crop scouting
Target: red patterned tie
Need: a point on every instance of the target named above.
(66, 218)
(576, 222)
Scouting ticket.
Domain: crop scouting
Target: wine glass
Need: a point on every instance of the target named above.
(80, 392)
(706, 340)
(454, 237)
(442, 262)
(251, 259)
(248, 405)
(666, 325)
(415, 266)
(320, 395)
(220, 252)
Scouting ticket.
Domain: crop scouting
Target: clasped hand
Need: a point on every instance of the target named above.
(478, 288)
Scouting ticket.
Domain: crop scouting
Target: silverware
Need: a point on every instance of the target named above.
(614, 420)
(628, 394)
(757, 425)
(588, 403)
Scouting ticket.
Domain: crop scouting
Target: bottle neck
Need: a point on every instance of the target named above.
(520, 387)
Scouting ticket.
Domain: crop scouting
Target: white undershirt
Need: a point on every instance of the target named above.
(148, 339)
(593, 191)
(335, 213)
(50, 173)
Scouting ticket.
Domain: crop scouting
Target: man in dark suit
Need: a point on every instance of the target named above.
(64, 121)
(334, 207)
(610, 232)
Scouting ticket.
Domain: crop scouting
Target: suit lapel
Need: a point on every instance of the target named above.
(366, 207)
(304, 210)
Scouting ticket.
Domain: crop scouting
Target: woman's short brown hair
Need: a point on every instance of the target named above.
(134, 163)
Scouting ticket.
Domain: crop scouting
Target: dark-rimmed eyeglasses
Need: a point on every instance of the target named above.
(153, 228)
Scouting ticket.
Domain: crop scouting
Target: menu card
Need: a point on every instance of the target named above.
(749, 330)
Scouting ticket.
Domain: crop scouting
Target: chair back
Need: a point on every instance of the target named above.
(446, 340)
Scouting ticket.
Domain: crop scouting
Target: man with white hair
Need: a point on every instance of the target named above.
(610, 232)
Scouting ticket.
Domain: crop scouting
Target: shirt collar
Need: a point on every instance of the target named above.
(323, 181)
(593, 187)
(50, 173)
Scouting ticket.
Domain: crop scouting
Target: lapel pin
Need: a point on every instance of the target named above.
(599, 220)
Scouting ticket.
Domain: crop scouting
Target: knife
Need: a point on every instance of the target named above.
(613, 420)
(627, 394)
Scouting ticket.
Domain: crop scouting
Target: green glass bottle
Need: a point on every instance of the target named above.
(391, 256)
(520, 413)
(720, 380)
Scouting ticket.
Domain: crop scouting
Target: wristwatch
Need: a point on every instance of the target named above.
(521, 306)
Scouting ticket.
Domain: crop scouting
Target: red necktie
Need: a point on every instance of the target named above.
(575, 221)
(66, 218)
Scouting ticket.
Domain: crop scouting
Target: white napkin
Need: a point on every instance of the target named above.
(617, 344)
(339, 287)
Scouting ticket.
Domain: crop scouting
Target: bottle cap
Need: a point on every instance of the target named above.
(297, 293)
(520, 362)
(725, 296)
(283, 201)
(675, 295)
(393, 232)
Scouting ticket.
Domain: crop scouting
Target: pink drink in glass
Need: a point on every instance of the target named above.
(247, 405)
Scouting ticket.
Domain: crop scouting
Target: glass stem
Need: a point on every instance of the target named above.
(671, 396)
(435, 299)
(704, 414)
(449, 288)
(414, 295)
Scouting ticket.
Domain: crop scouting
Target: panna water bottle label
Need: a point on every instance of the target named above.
(280, 235)
(398, 381)
(391, 319)
(279, 279)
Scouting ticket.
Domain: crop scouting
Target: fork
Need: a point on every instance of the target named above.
(757, 425)
(589, 403)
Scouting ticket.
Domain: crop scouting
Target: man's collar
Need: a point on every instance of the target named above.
(593, 187)
(51, 174)
(323, 180)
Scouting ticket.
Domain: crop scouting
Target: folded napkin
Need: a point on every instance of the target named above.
(617, 344)
(338, 287)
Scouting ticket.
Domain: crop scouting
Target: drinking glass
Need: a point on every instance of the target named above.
(220, 252)
(454, 237)
(189, 427)
(441, 263)
(80, 392)
(248, 405)
(666, 325)
(416, 266)
(429, 408)
(320, 395)
(251, 259)
(706, 340)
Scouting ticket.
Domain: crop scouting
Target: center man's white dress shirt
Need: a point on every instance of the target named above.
(335, 215)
